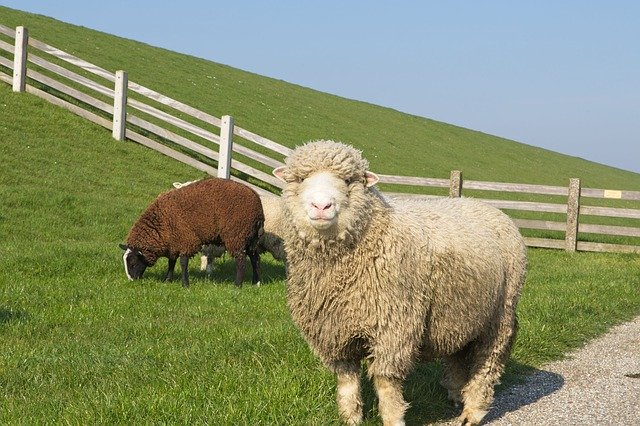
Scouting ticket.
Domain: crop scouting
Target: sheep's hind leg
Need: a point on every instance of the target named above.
(488, 358)
(348, 393)
(455, 374)
(391, 404)
(255, 267)
(241, 259)
(172, 266)
(184, 269)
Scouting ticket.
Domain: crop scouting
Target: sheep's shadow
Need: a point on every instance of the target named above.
(521, 385)
(224, 270)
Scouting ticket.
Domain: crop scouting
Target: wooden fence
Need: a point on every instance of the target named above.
(137, 113)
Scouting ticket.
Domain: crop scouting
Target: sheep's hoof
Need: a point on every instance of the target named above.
(471, 417)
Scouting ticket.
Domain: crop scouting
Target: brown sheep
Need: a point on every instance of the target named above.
(180, 221)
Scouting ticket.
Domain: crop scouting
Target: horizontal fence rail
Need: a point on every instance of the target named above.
(214, 145)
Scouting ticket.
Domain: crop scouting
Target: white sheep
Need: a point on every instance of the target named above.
(395, 283)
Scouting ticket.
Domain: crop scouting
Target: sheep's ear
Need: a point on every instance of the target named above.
(279, 173)
(370, 178)
(124, 246)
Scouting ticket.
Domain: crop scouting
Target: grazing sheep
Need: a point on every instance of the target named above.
(180, 221)
(270, 241)
(397, 283)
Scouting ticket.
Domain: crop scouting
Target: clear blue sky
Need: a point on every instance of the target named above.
(561, 75)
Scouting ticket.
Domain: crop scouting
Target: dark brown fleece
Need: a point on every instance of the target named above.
(212, 210)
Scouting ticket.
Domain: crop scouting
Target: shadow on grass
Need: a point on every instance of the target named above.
(521, 385)
(9, 315)
(224, 271)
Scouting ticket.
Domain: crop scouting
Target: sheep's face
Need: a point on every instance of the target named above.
(323, 200)
(322, 196)
(134, 262)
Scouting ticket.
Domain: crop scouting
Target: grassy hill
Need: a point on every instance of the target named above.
(82, 345)
(394, 142)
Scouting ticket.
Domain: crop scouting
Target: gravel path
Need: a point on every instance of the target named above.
(596, 385)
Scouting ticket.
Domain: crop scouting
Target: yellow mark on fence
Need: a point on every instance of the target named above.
(608, 193)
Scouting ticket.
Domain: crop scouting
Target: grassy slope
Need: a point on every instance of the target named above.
(395, 143)
(83, 345)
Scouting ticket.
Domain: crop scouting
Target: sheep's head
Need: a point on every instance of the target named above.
(324, 182)
(134, 262)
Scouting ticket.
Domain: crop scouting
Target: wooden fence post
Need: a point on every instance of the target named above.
(455, 186)
(226, 145)
(573, 213)
(120, 106)
(20, 60)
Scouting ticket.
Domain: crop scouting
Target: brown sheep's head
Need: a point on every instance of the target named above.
(134, 262)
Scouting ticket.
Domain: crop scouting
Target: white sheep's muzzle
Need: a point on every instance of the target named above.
(321, 195)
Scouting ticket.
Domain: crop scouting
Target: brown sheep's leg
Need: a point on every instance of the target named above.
(240, 258)
(255, 267)
(391, 404)
(184, 269)
(348, 393)
(172, 266)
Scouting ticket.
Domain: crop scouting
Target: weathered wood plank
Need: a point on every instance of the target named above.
(20, 59)
(626, 231)
(7, 31)
(226, 146)
(609, 248)
(7, 47)
(540, 224)
(412, 180)
(81, 96)
(610, 211)
(610, 193)
(142, 140)
(71, 75)
(120, 105)
(69, 106)
(262, 141)
(526, 205)
(173, 137)
(177, 105)
(73, 60)
(515, 187)
(156, 146)
(543, 243)
(6, 62)
(455, 184)
(178, 122)
(6, 78)
(573, 214)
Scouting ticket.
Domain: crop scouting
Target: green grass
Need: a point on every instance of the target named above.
(82, 345)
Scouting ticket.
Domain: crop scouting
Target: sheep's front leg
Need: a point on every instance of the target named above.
(184, 269)
(172, 266)
(391, 404)
(348, 393)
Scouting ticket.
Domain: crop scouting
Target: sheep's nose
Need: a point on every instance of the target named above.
(322, 205)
